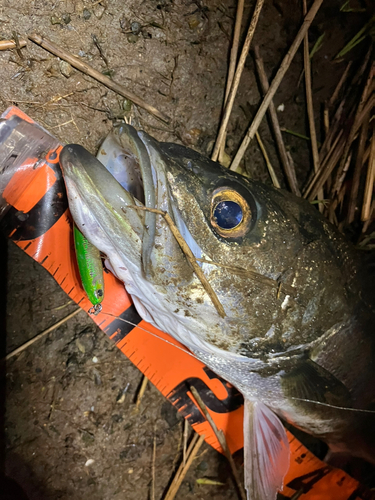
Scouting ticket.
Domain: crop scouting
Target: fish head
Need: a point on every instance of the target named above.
(271, 260)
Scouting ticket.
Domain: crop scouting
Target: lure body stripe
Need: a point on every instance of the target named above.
(90, 268)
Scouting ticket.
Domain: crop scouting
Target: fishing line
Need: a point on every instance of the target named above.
(333, 406)
(151, 333)
(192, 355)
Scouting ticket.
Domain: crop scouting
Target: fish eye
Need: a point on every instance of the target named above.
(227, 214)
(231, 215)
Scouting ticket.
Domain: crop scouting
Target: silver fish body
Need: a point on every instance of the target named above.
(296, 338)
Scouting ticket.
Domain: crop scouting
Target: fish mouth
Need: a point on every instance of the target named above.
(125, 156)
(130, 171)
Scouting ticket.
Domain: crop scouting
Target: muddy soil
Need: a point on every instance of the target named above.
(68, 433)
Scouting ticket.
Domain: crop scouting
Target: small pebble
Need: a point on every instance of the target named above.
(80, 345)
(281, 107)
(86, 14)
(135, 27)
(124, 24)
(66, 69)
(97, 378)
(193, 22)
(89, 462)
(55, 20)
(127, 105)
(95, 359)
(66, 18)
(132, 38)
(99, 11)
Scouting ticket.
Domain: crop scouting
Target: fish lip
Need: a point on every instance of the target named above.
(153, 164)
(131, 142)
(96, 201)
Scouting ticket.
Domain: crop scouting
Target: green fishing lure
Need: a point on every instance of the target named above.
(90, 269)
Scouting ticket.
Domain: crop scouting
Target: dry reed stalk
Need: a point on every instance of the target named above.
(367, 199)
(369, 220)
(358, 170)
(326, 120)
(221, 438)
(334, 128)
(236, 80)
(185, 438)
(11, 44)
(40, 335)
(357, 118)
(310, 106)
(326, 168)
(153, 469)
(88, 70)
(275, 83)
(360, 120)
(192, 451)
(141, 392)
(270, 168)
(232, 65)
(339, 85)
(287, 165)
(336, 121)
(188, 254)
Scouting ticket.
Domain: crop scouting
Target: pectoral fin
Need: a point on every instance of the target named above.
(309, 381)
(266, 451)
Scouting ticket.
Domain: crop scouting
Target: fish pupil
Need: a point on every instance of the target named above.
(228, 214)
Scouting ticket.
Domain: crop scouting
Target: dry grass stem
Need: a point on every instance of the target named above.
(153, 469)
(326, 120)
(252, 274)
(271, 170)
(287, 165)
(369, 220)
(326, 169)
(232, 64)
(11, 44)
(185, 438)
(367, 154)
(341, 193)
(221, 438)
(18, 46)
(275, 83)
(88, 70)
(40, 335)
(192, 451)
(367, 199)
(310, 105)
(141, 392)
(236, 80)
(189, 255)
(358, 170)
(356, 123)
(334, 129)
(339, 85)
(316, 177)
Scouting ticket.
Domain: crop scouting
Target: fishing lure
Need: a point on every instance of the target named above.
(90, 270)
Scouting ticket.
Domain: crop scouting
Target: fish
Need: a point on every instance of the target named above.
(295, 332)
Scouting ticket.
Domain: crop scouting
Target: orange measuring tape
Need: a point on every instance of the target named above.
(37, 219)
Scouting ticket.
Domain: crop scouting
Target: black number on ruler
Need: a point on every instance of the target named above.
(306, 482)
(179, 397)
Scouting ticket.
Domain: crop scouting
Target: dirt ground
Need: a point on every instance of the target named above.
(67, 434)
